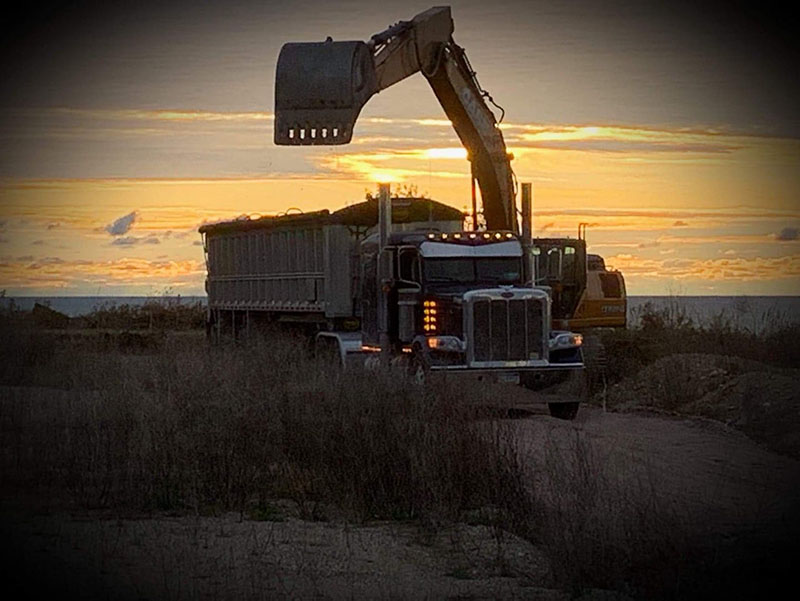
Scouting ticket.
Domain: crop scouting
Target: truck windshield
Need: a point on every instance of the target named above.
(490, 270)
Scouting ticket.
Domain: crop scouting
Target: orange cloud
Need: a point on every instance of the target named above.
(739, 269)
(53, 272)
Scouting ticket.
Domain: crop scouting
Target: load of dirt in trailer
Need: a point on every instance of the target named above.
(760, 400)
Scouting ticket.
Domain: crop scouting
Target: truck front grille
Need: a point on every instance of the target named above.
(507, 329)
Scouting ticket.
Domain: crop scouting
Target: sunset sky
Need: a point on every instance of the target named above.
(673, 129)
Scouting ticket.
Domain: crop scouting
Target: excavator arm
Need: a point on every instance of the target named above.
(321, 87)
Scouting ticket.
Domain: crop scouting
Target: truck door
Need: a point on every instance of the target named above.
(406, 293)
(369, 297)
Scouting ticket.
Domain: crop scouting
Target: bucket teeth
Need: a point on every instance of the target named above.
(295, 132)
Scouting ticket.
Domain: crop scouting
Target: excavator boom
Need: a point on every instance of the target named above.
(321, 87)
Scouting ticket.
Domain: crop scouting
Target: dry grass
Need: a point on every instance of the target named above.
(190, 427)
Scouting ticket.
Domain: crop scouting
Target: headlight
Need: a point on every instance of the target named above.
(565, 340)
(445, 343)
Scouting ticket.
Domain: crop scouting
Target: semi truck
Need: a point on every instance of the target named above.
(397, 278)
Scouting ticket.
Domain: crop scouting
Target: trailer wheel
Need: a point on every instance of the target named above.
(566, 411)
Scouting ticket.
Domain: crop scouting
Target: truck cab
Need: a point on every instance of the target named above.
(458, 301)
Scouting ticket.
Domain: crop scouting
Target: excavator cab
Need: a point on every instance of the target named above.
(585, 294)
(320, 88)
(561, 265)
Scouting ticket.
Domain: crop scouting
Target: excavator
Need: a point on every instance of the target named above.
(321, 87)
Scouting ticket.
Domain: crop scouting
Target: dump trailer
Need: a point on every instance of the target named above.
(395, 280)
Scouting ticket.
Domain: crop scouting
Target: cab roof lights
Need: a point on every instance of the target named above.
(487, 236)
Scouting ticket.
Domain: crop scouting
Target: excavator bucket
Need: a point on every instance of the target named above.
(320, 88)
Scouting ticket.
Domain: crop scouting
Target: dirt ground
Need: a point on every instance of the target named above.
(710, 477)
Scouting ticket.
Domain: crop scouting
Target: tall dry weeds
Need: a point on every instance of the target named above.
(197, 428)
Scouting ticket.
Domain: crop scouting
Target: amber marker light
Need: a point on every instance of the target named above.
(429, 316)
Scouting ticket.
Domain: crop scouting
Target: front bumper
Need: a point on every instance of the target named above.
(549, 367)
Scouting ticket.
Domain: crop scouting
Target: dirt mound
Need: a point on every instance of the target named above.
(765, 405)
(761, 401)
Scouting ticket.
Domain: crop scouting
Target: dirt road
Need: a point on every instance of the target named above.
(712, 475)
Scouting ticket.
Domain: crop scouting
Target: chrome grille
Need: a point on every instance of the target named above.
(507, 329)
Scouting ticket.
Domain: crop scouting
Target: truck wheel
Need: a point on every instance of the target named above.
(326, 350)
(418, 369)
(566, 411)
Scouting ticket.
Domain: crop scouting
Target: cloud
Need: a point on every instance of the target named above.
(740, 269)
(134, 240)
(54, 272)
(651, 244)
(788, 233)
(123, 224)
(126, 241)
(181, 115)
(680, 223)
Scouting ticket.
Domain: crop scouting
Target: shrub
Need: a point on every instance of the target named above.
(168, 313)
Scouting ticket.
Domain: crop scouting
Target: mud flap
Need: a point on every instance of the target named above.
(320, 88)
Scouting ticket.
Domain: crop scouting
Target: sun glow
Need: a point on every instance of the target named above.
(445, 153)
(383, 177)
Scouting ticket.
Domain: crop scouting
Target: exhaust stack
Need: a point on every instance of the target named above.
(527, 234)
(384, 267)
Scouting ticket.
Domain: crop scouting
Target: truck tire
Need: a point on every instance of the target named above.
(326, 350)
(418, 369)
(596, 361)
(566, 411)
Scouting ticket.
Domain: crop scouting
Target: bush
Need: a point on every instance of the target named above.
(166, 313)
(670, 330)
